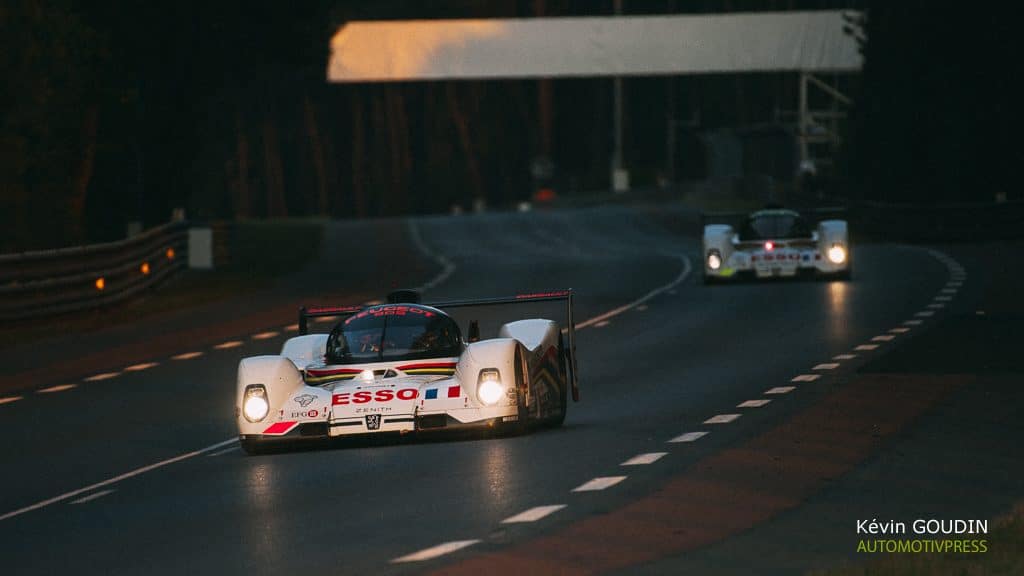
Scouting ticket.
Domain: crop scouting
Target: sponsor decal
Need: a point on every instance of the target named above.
(399, 310)
(306, 414)
(374, 410)
(305, 399)
(454, 391)
(365, 396)
(373, 422)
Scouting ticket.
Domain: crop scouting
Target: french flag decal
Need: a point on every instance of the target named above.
(453, 392)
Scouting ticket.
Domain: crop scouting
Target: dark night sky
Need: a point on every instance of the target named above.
(120, 110)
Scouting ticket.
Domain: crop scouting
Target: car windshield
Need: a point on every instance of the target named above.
(774, 226)
(394, 332)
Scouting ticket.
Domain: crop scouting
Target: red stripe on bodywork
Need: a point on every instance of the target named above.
(279, 428)
(332, 372)
(427, 365)
(454, 391)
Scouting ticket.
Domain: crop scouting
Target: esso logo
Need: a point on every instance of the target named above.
(380, 396)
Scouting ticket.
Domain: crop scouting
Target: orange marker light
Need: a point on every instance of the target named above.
(170, 253)
(101, 283)
(144, 268)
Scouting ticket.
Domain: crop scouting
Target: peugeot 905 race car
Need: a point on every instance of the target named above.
(404, 367)
(775, 242)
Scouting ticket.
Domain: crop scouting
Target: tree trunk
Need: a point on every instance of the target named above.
(462, 126)
(243, 203)
(83, 176)
(317, 149)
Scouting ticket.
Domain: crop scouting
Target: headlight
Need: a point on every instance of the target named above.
(488, 387)
(837, 254)
(714, 260)
(254, 405)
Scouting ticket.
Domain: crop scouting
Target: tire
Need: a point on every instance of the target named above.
(558, 420)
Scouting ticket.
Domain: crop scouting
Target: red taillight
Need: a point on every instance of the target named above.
(769, 246)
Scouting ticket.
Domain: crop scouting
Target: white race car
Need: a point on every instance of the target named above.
(405, 367)
(775, 242)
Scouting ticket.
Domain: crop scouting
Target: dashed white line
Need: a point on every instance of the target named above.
(115, 479)
(9, 399)
(722, 419)
(435, 551)
(913, 322)
(688, 437)
(864, 347)
(91, 497)
(806, 378)
(936, 305)
(373, 302)
(602, 324)
(57, 388)
(533, 514)
(780, 390)
(753, 403)
(104, 376)
(883, 338)
(291, 328)
(641, 308)
(899, 330)
(325, 319)
(187, 356)
(601, 483)
(265, 335)
(224, 451)
(826, 366)
(644, 459)
(447, 266)
(925, 314)
(943, 298)
(141, 367)
(948, 291)
(844, 356)
(954, 284)
(228, 344)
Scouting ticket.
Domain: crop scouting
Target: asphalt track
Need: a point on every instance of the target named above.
(118, 458)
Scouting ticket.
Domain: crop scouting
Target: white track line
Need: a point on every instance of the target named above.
(687, 266)
(936, 305)
(826, 366)
(435, 551)
(325, 319)
(291, 328)
(224, 451)
(104, 376)
(913, 322)
(187, 356)
(883, 338)
(863, 347)
(899, 330)
(57, 388)
(141, 367)
(753, 403)
(91, 497)
(447, 266)
(722, 419)
(9, 399)
(533, 514)
(844, 356)
(644, 459)
(925, 314)
(602, 324)
(229, 344)
(943, 298)
(780, 390)
(806, 378)
(265, 335)
(688, 437)
(601, 483)
(115, 479)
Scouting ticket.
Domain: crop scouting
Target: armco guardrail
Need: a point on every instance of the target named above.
(47, 282)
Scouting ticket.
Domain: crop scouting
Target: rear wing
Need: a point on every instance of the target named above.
(734, 219)
(305, 314)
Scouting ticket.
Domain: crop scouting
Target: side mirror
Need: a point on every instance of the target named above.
(473, 334)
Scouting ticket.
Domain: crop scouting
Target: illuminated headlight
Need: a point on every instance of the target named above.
(837, 254)
(714, 260)
(366, 375)
(489, 388)
(254, 404)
